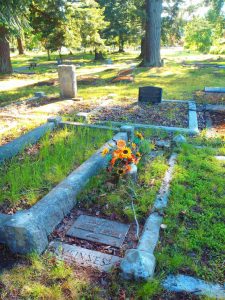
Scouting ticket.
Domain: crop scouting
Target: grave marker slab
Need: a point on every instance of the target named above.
(99, 230)
(84, 257)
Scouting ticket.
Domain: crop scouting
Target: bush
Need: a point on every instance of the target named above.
(198, 35)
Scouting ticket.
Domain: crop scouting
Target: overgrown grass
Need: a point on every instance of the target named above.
(115, 198)
(27, 177)
(193, 242)
(178, 82)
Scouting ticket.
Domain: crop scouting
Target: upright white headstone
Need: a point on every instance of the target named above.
(67, 81)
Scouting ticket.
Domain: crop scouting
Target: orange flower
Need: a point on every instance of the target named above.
(113, 160)
(121, 144)
(128, 168)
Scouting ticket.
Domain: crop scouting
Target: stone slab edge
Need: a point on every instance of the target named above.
(156, 127)
(27, 231)
(140, 263)
(14, 147)
(215, 107)
(63, 124)
(193, 117)
(183, 283)
(83, 257)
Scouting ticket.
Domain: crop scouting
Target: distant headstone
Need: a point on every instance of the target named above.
(67, 81)
(84, 257)
(214, 90)
(150, 94)
(99, 230)
(39, 94)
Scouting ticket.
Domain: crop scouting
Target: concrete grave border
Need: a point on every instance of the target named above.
(27, 231)
(140, 263)
(12, 148)
(191, 130)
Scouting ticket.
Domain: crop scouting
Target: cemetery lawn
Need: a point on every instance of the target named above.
(193, 242)
(177, 81)
(29, 176)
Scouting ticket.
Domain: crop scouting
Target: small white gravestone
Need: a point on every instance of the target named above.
(67, 81)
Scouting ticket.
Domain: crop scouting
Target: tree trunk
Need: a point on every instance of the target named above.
(121, 44)
(98, 55)
(5, 61)
(49, 57)
(20, 46)
(142, 54)
(153, 34)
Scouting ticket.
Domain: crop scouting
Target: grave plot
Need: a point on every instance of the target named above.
(192, 242)
(163, 114)
(30, 175)
(102, 223)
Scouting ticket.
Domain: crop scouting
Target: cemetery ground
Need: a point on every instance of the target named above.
(192, 234)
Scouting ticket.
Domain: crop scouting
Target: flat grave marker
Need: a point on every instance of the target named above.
(99, 230)
(84, 257)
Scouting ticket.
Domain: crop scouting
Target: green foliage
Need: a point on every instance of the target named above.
(28, 177)
(198, 35)
(124, 22)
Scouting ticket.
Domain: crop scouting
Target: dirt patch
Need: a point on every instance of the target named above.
(218, 122)
(164, 114)
(123, 78)
(213, 98)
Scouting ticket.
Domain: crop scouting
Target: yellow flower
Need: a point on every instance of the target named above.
(105, 151)
(134, 145)
(138, 154)
(139, 135)
(126, 152)
(121, 144)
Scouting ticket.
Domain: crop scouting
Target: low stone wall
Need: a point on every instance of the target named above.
(11, 149)
(27, 231)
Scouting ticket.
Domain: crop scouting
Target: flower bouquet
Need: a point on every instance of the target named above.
(122, 156)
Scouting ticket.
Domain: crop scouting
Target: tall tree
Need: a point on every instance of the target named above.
(12, 14)
(20, 45)
(153, 34)
(124, 22)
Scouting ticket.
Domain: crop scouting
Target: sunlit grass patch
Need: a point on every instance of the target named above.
(44, 278)
(27, 177)
(193, 242)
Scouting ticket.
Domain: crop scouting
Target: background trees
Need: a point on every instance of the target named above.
(12, 19)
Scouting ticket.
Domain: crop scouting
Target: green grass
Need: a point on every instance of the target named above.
(44, 278)
(114, 198)
(193, 242)
(177, 82)
(26, 178)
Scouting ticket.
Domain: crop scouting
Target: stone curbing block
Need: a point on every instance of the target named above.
(140, 263)
(28, 231)
(193, 118)
(3, 219)
(130, 131)
(183, 283)
(11, 149)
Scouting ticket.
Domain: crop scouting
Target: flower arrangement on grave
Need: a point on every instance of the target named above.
(122, 155)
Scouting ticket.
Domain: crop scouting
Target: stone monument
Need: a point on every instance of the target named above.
(67, 81)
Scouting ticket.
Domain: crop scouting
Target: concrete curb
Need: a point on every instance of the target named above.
(156, 127)
(193, 117)
(27, 231)
(140, 263)
(183, 283)
(215, 107)
(63, 124)
(16, 146)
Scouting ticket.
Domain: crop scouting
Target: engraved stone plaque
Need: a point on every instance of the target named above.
(84, 257)
(99, 230)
